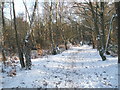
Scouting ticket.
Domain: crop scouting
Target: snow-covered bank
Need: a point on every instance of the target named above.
(79, 67)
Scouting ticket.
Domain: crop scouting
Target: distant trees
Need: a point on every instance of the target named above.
(96, 18)
(59, 23)
(54, 17)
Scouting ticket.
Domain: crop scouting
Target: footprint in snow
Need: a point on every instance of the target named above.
(44, 66)
(104, 78)
(58, 83)
(55, 76)
(45, 83)
(22, 83)
(61, 78)
(104, 71)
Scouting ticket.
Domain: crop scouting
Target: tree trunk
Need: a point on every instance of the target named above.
(93, 41)
(66, 45)
(20, 52)
(95, 21)
(109, 34)
(102, 26)
(57, 29)
(3, 57)
(61, 27)
(2, 44)
(117, 5)
(28, 55)
(51, 31)
(27, 37)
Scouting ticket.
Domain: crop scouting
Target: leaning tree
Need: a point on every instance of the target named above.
(117, 6)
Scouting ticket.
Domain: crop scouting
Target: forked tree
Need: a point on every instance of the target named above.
(27, 37)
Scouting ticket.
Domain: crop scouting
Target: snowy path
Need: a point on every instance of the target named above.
(79, 67)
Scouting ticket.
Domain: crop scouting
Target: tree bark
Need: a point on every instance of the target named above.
(61, 27)
(51, 31)
(117, 6)
(93, 41)
(102, 25)
(109, 33)
(2, 44)
(99, 39)
(20, 52)
(27, 38)
(28, 55)
(57, 29)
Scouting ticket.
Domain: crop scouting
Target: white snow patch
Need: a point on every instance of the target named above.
(79, 67)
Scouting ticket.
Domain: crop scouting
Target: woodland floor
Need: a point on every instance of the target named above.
(78, 67)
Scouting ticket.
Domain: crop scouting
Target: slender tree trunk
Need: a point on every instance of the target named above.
(109, 33)
(40, 32)
(81, 34)
(3, 23)
(93, 40)
(77, 28)
(11, 24)
(102, 26)
(61, 27)
(57, 23)
(51, 31)
(62, 33)
(20, 52)
(117, 5)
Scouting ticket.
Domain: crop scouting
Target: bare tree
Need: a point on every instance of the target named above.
(61, 6)
(51, 30)
(27, 38)
(102, 23)
(20, 52)
(95, 20)
(117, 6)
(2, 43)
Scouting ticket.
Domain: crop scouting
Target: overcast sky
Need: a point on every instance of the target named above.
(19, 7)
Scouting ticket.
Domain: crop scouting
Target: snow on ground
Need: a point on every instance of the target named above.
(78, 67)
